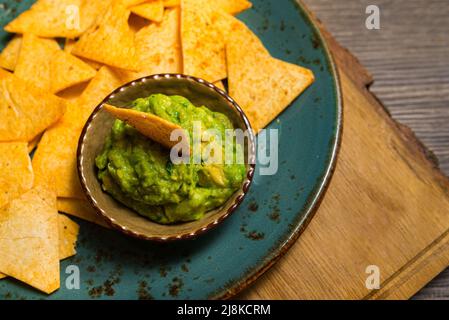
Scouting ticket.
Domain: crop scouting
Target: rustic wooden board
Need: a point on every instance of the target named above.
(387, 205)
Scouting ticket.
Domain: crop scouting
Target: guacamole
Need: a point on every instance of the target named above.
(139, 173)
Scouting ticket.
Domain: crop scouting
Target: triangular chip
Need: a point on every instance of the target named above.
(203, 40)
(9, 55)
(16, 173)
(110, 40)
(55, 159)
(25, 110)
(80, 209)
(68, 46)
(262, 85)
(131, 3)
(151, 126)
(34, 60)
(152, 10)
(29, 233)
(51, 19)
(68, 234)
(233, 6)
(159, 47)
(67, 70)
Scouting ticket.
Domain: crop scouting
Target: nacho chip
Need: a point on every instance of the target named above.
(9, 55)
(55, 159)
(25, 110)
(68, 46)
(203, 31)
(16, 174)
(33, 64)
(153, 10)
(80, 209)
(151, 126)
(233, 6)
(68, 234)
(105, 81)
(67, 70)
(29, 236)
(51, 19)
(262, 85)
(110, 40)
(159, 47)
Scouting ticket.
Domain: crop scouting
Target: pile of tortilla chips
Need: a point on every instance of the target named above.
(48, 90)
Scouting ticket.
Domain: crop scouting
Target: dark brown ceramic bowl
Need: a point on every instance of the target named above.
(98, 126)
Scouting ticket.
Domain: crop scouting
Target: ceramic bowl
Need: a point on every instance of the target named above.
(98, 126)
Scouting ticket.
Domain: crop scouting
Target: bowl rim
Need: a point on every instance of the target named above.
(242, 192)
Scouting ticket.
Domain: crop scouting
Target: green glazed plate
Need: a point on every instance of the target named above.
(224, 261)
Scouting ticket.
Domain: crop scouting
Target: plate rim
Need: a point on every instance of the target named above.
(320, 189)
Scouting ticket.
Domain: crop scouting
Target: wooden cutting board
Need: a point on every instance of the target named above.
(387, 205)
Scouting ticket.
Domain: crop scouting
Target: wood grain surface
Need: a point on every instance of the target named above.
(409, 60)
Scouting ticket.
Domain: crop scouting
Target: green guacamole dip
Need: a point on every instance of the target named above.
(139, 173)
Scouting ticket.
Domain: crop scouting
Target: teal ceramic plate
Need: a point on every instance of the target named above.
(224, 261)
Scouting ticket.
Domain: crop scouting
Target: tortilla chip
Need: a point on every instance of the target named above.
(55, 159)
(151, 126)
(67, 70)
(80, 209)
(105, 81)
(110, 40)
(233, 6)
(9, 55)
(68, 234)
(203, 31)
(262, 85)
(16, 173)
(68, 46)
(33, 64)
(54, 162)
(153, 10)
(159, 47)
(50, 19)
(25, 110)
(29, 236)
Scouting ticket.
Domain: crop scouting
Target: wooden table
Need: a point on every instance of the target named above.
(409, 60)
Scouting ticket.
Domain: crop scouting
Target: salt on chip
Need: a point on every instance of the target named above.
(110, 40)
(34, 60)
(233, 6)
(10, 54)
(16, 173)
(152, 10)
(51, 19)
(29, 236)
(262, 85)
(25, 110)
(203, 31)
(81, 209)
(68, 234)
(67, 70)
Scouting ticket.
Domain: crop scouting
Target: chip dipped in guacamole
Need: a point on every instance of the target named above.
(139, 173)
